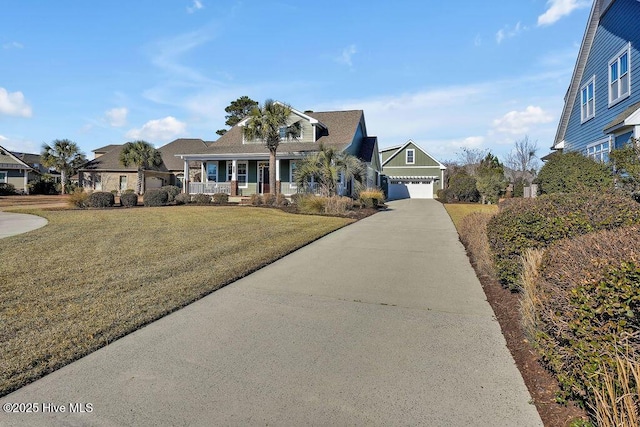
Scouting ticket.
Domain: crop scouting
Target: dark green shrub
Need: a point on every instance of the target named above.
(573, 173)
(536, 223)
(101, 199)
(220, 198)
(462, 188)
(183, 199)
(441, 194)
(589, 307)
(201, 199)
(42, 185)
(155, 197)
(255, 200)
(172, 192)
(7, 189)
(128, 199)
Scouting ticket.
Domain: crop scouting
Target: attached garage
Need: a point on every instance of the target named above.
(410, 188)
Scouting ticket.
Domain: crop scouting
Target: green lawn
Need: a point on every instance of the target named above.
(457, 211)
(92, 276)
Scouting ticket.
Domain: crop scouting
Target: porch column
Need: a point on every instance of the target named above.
(277, 176)
(234, 178)
(203, 171)
(26, 181)
(186, 180)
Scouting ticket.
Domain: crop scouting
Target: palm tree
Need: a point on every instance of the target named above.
(142, 155)
(269, 123)
(64, 156)
(325, 166)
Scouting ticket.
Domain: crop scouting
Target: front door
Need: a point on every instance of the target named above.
(263, 178)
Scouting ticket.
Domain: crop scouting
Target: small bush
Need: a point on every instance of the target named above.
(473, 235)
(310, 204)
(183, 199)
(337, 205)
(269, 199)
(589, 304)
(202, 199)
(255, 200)
(155, 197)
(7, 189)
(114, 192)
(129, 190)
(295, 198)
(573, 172)
(441, 194)
(100, 199)
(536, 223)
(221, 198)
(462, 188)
(78, 198)
(172, 192)
(371, 197)
(43, 185)
(128, 200)
(281, 200)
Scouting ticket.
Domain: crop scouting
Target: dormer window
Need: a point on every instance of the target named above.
(619, 76)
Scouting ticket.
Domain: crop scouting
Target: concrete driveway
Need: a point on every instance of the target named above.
(380, 323)
(12, 224)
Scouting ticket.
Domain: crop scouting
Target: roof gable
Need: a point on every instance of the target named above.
(8, 158)
(400, 149)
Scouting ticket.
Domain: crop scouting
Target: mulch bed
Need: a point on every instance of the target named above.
(542, 385)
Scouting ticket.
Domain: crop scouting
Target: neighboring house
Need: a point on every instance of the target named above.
(602, 104)
(15, 171)
(411, 172)
(240, 167)
(106, 173)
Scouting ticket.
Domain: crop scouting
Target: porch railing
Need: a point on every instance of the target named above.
(209, 187)
(309, 188)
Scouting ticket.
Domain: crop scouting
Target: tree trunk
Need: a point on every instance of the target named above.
(63, 181)
(272, 172)
(140, 178)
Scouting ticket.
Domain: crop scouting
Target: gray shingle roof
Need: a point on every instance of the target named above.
(622, 116)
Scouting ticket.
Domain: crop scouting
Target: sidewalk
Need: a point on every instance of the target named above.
(12, 224)
(380, 323)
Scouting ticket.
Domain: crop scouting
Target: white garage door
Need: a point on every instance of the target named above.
(411, 190)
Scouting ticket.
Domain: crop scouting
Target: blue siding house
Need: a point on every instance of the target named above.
(602, 105)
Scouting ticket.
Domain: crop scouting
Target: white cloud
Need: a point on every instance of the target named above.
(12, 45)
(117, 117)
(520, 122)
(13, 104)
(197, 5)
(347, 55)
(507, 32)
(558, 9)
(161, 130)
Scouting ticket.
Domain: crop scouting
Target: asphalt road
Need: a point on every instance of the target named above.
(380, 323)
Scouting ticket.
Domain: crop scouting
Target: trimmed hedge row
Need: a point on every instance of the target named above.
(155, 197)
(101, 199)
(536, 223)
(589, 291)
(128, 199)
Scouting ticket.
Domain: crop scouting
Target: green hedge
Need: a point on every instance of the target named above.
(589, 291)
(172, 192)
(220, 198)
(156, 197)
(536, 223)
(201, 199)
(183, 199)
(128, 199)
(101, 199)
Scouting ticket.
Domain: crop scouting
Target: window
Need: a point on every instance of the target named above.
(411, 154)
(619, 76)
(3, 177)
(292, 172)
(599, 150)
(212, 171)
(242, 175)
(123, 182)
(229, 171)
(588, 102)
(283, 133)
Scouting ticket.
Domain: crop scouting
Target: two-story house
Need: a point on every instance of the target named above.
(602, 105)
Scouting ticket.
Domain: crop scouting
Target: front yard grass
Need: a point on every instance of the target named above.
(457, 211)
(93, 276)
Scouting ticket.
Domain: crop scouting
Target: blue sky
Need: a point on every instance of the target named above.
(445, 74)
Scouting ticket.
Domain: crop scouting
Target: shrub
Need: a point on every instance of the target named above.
(183, 199)
(573, 173)
(172, 192)
(473, 235)
(589, 304)
(7, 189)
(255, 200)
(441, 194)
(281, 200)
(295, 198)
(310, 204)
(202, 199)
(337, 205)
(78, 198)
(114, 192)
(371, 197)
(155, 197)
(536, 223)
(100, 199)
(269, 199)
(129, 190)
(462, 188)
(42, 185)
(128, 200)
(221, 198)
